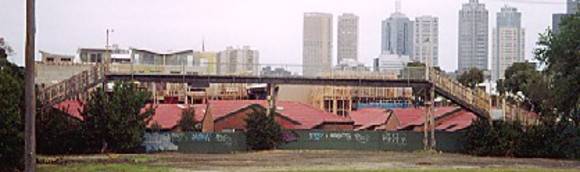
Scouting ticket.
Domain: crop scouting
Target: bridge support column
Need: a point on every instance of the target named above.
(272, 94)
(429, 124)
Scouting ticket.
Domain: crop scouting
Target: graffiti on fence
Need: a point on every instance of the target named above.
(156, 142)
(340, 136)
(224, 139)
(361, 138)
(395, 139)
(317, 136)
(200, 137)
(289, 136)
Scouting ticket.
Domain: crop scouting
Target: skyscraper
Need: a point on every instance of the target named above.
(347, 47)
(573, 6)
(473, 36)
(397, 34)
(317, 43)
(508, 41)
(426, 40)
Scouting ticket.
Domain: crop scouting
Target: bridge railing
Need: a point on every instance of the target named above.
(274, 70)
(75, 85)
(477, 97)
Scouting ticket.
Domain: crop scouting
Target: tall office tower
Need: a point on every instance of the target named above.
(397, 34)
(508, 41)
(238, 61)
(573, 6)
(426, 43)
(473, 36)
(317, 44)
(347, 47)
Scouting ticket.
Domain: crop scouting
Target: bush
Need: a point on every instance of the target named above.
(545, 140)
(11, 118)
(52, 127)
(262, 131)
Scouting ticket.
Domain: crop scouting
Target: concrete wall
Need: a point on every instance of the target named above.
(49, 74)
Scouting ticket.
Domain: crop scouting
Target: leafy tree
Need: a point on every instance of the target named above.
(187, 121)
(116, 121)
(471, 77)
(11, 113)
(525, 79)
(263, 132)
(560, 53)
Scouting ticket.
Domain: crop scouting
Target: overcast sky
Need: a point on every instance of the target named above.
(274, 27)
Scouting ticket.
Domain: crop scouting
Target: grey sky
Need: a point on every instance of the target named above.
(274, 27)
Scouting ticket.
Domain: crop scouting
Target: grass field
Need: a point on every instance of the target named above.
(339, 161)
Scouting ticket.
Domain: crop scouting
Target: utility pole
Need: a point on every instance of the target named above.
(29, 91)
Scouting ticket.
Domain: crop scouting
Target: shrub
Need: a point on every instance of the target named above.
(52, 127)
(545, 140)
(262, 131)
(11, 118)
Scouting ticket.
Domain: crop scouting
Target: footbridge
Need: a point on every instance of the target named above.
(474, 100)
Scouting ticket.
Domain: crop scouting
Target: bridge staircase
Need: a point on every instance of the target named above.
(474, 100)
(75, 87)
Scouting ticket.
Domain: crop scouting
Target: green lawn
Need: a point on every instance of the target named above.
(118, 167)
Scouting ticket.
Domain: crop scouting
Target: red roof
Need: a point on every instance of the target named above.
(457, 121)
(308, 116)
(167, 115)
(368, 117)
(416, 116)
(71, 107)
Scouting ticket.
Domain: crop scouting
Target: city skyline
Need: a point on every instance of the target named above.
(276, 46)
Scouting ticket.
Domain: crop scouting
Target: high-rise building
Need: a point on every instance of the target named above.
(238, 61)
(508, 41)
(347, 47)
(473, 36)
(397, 34)
(573, 6)
(426, 40)
(317, 44)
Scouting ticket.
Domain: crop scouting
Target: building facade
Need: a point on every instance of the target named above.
(317, 43)
(508, 41)
(473, 36)
(426, 40)
(347, 37)
(573, 6)
(239, 61)
(397, 35)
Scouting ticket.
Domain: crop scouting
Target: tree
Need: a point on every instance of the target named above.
(11, 116)
(263, 132)
(116, 121)
(560, 54)
(187, 121)
(471, 77)
(524, 79)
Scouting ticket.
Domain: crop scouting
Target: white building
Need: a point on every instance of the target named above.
(426, 40)
(244, 61)
(390, 62)
(508, 41)
(347, 37)
(317, 43)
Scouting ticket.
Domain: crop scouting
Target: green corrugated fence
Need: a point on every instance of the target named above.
(195, 142)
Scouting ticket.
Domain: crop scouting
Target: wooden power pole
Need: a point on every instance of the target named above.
(29, 91)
